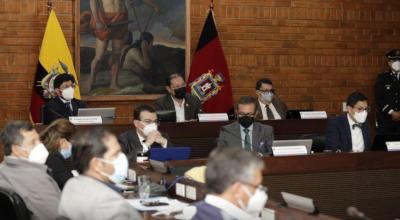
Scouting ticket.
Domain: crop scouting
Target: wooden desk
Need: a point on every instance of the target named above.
(368, 181)
(201, 136)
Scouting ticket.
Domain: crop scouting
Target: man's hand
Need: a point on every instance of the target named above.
(100, 25)
(396, 116)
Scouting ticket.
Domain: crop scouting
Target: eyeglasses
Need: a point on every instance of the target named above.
(265, 91)
(147, 121)
(361, 109)
(260, 187)
(246, 114)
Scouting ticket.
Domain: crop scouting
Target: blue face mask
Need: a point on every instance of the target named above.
(66, 153)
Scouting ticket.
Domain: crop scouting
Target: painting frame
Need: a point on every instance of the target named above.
(137, 97)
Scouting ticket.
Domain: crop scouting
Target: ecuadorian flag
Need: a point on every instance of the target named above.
(54, 58)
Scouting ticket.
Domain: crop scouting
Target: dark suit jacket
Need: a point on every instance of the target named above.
(279, 105)
(56, 163)
(262, 137)
(55, 109)
(192, 105)
(130, 144)
(338, 134)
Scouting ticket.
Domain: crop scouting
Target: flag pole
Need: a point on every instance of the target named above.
(49, 6)
(212, 5)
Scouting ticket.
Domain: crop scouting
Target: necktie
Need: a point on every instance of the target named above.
(269, 113)
(356, 125)
(68, 108)
(247, 144)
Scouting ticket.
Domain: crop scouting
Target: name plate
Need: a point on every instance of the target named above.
(393, 145)
(206, 117)
(289, 150)
(313, 115)
(85, 120)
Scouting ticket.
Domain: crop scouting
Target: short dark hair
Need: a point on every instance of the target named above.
(12, 134)
(64, 77)
(142, 108)
(263, 81)
(354, 98)
(88, 145)
(171, 77)
(227, 165)
(245, 100)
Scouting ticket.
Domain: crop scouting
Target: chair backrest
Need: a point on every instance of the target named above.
(319, 141)
(12, 206)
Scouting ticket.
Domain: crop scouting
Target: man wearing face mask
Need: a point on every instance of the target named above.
(234, 185)
(145, 136)
(246, 133)
(269, 106)
(387, 96)
(23, 170)
(186, 105)
(93, 194)
(350, 132)
(64, 104)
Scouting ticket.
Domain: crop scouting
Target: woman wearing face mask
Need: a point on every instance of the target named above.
(92, 194)
(57, 139)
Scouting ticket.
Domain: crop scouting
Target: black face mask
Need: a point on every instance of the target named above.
(180, 93)
(246, 121)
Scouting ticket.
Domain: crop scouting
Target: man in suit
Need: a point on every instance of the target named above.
(94, 194)
(24, 172)
(350, 132)
(186, 105)
(64, 104)
(245, 133)
(234, 185)
(145, 135)
(387, 95)
(269, 106)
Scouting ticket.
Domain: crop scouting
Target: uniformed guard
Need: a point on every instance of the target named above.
(387, 95)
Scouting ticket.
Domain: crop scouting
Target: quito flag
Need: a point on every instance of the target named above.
(209, 76)
(54, 59)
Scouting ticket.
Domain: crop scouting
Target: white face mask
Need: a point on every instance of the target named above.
(68, 93)
(120, 165)
(396, 66)
(149, 128)
(256, 202)
(38, 154)
(361, 117)
(267, 96)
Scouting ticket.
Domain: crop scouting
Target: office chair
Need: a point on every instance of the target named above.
(12, 206)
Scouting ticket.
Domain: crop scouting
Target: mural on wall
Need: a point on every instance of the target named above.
(129, 47)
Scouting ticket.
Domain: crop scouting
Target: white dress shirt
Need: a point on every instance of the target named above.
(179, 110)
(273, 110)
(243, 135)
(357, 138)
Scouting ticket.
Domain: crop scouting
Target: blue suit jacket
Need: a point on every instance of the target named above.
(338, 134)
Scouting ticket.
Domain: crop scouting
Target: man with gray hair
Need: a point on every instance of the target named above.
(23, 170)
(233, 183)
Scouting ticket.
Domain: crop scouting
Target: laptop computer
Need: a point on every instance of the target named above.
(107, 114)
(170, 153)
(380, 140)
(300, 142)
(166, 115)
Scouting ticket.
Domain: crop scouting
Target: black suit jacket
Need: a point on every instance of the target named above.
(55, 109)
(131, 145)
(279, 105)
(192, 105)
(338, 134)
(56, 163)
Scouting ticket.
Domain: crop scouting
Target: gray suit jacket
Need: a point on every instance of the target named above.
(279, 105)
(192, 105)
(85, 198)
(262, 137)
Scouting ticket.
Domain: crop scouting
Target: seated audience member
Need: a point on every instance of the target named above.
(23, 170)
(144, 136)
(246, 133)
(186, 105)
(350, 131)
(92, 194)
(234, 186)
(269, 106)
(64, 104)
(57, 139)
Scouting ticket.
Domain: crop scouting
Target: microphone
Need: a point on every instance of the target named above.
(58, 114)
(239, 137)
(355, 213)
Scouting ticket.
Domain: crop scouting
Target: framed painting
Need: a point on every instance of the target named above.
(125, 49)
